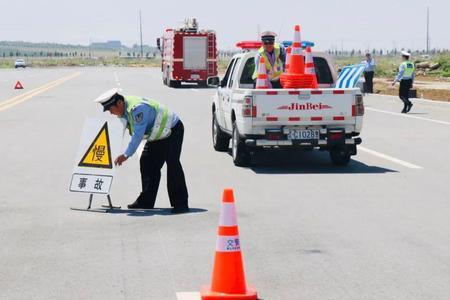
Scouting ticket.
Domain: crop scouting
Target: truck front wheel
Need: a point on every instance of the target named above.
(239, 151)
(174, 83)
(221, 140)
(340, 156)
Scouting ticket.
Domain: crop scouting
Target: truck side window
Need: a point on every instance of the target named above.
(233, 73)
(224, 81)
(323, 71)
(246, 80)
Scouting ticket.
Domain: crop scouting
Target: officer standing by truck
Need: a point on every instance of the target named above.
(406, 77)
(163, 130)
(274, 56)
(369, 71)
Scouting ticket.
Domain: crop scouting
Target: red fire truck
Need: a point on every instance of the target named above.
(188, 54)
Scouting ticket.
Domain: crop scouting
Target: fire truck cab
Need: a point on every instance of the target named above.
(188, 54)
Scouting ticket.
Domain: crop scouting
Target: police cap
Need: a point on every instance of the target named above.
(108, 98)
(268, 37)
(404, 53)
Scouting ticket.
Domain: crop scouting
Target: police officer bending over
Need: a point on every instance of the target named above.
(274, 56)
(163, 130)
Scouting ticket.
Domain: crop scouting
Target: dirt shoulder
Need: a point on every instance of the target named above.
(427, 88)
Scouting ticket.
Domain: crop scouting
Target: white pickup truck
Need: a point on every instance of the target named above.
(256, 119)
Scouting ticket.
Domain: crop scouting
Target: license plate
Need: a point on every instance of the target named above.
(195, 76)
(298, 134)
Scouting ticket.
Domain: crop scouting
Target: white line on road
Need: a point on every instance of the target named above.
(390, 158)
(195, 90)
(116, 78)
(188, 296)
(407, 116)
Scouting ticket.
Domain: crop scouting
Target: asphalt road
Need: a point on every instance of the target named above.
(377, 229)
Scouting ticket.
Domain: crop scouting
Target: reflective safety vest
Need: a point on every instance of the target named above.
(409, 69)
(273, 72)
(163, 122)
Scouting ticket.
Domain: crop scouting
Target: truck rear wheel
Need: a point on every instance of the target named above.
(239, 151)
(221, 140)
(340, 156)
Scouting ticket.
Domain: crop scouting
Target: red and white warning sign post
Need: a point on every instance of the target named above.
(100, 144)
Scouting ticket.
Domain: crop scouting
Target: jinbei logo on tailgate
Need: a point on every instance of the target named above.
(305, 106)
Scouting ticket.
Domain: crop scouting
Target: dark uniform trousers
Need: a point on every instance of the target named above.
(368, 85)
(153, 156)
(403, 92)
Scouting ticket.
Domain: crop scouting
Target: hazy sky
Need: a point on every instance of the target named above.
(331, 24)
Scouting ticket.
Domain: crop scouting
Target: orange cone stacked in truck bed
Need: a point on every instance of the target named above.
(262, 81)
(310, 68)
(295, 77)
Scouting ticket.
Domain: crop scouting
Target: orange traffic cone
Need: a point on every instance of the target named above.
(262, 81)
(309, 67)
(288, 58)
(295, 76)
(18, 86)
(297, 62)
(228, 278)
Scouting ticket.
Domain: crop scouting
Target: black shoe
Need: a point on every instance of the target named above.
(409, 107)
(404, 110)
(179, 210)
(138, 205)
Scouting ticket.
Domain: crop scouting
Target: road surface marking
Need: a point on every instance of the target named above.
(195, 90)
(408, 116)
(390, 158)
(188, 296)
(4, 105)
(116, 78)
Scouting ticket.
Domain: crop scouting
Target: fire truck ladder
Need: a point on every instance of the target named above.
(211, 49)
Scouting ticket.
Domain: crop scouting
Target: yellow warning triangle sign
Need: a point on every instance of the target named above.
(98, 154)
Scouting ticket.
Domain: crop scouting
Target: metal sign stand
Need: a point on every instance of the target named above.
(105, 208)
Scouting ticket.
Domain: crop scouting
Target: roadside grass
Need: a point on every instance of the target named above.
(387, 66)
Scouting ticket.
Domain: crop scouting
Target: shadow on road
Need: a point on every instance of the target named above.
(308, 162)
(192, 86)
(151, 212)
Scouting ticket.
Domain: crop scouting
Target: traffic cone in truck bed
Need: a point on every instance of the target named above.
(262, 81)
(310, 68)
(295, 77)
(288, 58)
(228, 278)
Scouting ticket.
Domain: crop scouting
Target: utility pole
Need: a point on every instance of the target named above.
(428, 30)
(140, 26)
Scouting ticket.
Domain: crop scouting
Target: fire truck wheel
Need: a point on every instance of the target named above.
(340, 156)
(221, 140)
(202, 84)
(174, 83)
(239, 151)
